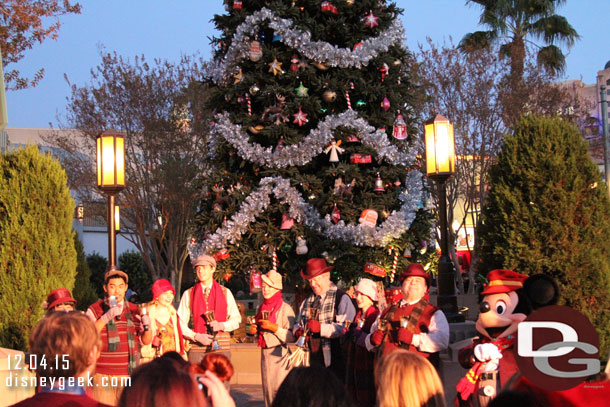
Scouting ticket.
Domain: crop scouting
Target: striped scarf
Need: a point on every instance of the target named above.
(114, 341)
(326, 314)
(416, 314)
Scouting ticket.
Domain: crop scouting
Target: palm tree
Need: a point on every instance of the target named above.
(512, 22)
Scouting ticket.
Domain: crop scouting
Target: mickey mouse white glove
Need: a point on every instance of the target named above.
(489, 354)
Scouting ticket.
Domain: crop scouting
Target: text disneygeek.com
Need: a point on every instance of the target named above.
(61, 383)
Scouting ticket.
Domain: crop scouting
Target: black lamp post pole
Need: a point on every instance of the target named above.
(111, 233)
(447, 300)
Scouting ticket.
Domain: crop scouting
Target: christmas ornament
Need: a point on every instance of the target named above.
(399, 131)
(276, 112)
(394, 250)
(301, 246)
(397, 62)
(370, 20)
(300, 117)
(334, 150)
(275, 67)
(280, 145)
(336, 214)
(294, 63)
(286, 248)
(385, 104)
(237, 4)
(320, 66)
(344, 191)
(360, 159)
(368, 218)
(385, 70)
(256, 129)
(301, 91)
(227, 277)
(249, 102)
(330, 7)
(256, 52)
(254, 89)
(274, 260)
(349, 102)
(256, 283)
(424, 247)
(357, 45)
(287, 222)
(221, 255)
(323, 109)
(350, 2)
(238, 78)
(375, 270)
(360, 103)
(407, 252)
(329, 96)
(276, 38)
(352, 138)
(379, 185)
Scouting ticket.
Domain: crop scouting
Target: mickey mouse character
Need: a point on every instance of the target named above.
(507, 300)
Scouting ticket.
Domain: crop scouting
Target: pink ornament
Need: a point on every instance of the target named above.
(368, 218)
(287, 222)
(300, 117)
(256, 283)
(399, 131)
(370, 20)
(385, 104)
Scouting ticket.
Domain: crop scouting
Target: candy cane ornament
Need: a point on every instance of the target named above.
(249, 101)
(274, 260)
(349, 102)
(394, 263)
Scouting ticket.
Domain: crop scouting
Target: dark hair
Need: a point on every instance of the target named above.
(312, 386)
(161, 383)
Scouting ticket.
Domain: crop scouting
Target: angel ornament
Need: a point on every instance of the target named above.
(334, 150)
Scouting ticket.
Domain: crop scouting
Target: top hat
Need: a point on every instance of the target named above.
(415, 270)
(315, 267)
(59, 296)
(503, 281)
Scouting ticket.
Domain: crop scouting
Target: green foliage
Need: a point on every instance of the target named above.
(97, 265)
(84, 292)
(548, 212)
(233, 177)
(139, 279)
(37, 251)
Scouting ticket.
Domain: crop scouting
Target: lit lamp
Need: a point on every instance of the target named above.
(111, 180)
(440, 165)
(117, 218)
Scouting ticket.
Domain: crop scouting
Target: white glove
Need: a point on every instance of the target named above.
(489, 354)
(146, 322)
(217, 326)
(111, 313)
(203, 339)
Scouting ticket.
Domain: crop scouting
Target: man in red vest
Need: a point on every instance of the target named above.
(123, 330)
(207, 295)
(411, 323)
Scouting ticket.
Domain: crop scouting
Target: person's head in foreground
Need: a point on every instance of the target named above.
(163, 382)
(70, 338)
(405, 379)
(312, 386)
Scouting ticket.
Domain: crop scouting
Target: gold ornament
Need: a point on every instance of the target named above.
(256, 129)
(254, 89)
(350, 2)
(275, 67)
(320, 66)
(329, 96)
(238, 78)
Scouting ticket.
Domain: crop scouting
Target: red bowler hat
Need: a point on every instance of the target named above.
(59, 296)
(315, 267)
(503, 281)
(414, 270)
(161, 286)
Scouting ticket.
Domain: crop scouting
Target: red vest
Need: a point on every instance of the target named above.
(390, 342)
(115, 363)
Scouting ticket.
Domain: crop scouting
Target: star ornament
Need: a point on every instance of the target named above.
(275, 67)
(370, 20)
(302, 91)
(300, 117)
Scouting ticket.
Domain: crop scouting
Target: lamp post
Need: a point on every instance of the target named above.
(440, 166)
(604, 108)
(111, 180)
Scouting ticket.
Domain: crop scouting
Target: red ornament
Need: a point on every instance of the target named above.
(370, 20)
(256, 283)
(399, 131)
(294, 63)
(356, 45)
(385, 70)
(237, 5)
(300, 117)
(328, 6)
(336, 215)
(221, 255)
(360, 159)
(374, 270)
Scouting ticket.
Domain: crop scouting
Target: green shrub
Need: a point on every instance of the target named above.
(139, 279)
(548, 212)
(37, 251)
(97, 265)
(84, 292)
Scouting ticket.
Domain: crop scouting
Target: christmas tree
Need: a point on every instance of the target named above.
(315, 142)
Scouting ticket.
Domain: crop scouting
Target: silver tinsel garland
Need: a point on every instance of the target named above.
(395, 225)
(312, 145)
(319, 51)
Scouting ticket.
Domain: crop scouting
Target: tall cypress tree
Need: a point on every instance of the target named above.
(548, 212)
(37, 251)
(316, 124)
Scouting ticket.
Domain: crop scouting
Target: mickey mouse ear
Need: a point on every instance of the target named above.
(542, 290)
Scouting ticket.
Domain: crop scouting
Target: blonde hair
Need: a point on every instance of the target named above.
(405, 379)
(65, 339)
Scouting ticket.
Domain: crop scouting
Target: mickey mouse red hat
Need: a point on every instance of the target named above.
(503, 281)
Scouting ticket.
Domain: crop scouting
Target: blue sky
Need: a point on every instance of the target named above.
(164, 29)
